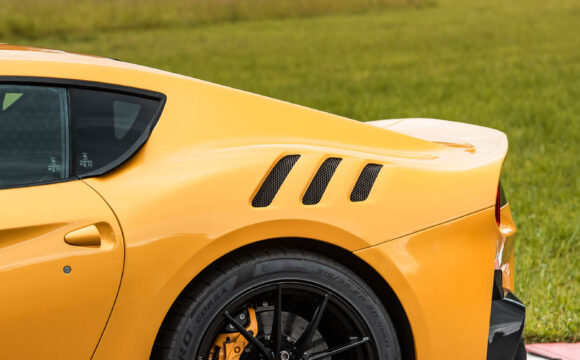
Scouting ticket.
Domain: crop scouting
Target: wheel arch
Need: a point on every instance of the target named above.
(345, 257)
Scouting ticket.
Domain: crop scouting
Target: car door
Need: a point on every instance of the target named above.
(61, 248)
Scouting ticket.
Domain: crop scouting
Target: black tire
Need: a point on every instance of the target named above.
(200, 310)
(521, 353)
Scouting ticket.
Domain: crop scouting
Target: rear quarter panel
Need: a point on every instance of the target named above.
(184, 202)
(443, 278)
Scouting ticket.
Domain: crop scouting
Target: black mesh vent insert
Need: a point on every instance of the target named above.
(365, 182)
(320, 181)
(274, 181)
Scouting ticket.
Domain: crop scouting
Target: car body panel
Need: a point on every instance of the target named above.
(185, 200)
(47, 313)
(442, 277)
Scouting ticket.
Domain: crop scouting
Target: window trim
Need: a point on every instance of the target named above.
(90, 85)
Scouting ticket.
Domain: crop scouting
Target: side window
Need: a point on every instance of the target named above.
(108, 128)
(34, 138)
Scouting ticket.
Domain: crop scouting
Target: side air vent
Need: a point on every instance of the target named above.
(274, 181)
(365, 182)
(320, 181)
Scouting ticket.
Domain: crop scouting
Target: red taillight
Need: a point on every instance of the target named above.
(498, 206)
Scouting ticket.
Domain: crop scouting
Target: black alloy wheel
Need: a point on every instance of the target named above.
(278, 305)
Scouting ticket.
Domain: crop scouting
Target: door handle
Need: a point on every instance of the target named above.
(88, 236)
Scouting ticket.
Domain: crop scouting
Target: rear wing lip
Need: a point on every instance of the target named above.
(469, 145)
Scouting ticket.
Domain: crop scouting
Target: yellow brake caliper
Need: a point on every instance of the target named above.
(231, 345)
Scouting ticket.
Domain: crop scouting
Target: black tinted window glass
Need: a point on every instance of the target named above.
(34, 139)
(108, 128)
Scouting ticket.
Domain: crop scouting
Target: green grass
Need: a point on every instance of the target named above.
(512, 65)
(38, 18)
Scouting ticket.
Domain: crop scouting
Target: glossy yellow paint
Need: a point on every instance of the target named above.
(46, 313)
(185, 200)
(442, 277)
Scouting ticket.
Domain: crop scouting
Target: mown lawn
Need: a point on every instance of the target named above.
(513, 65)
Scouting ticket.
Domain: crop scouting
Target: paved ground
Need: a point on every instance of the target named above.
(559, 351)
(534, 357)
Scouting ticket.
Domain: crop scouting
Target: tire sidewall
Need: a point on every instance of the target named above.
(339, 281)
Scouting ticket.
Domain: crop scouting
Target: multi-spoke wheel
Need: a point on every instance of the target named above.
(278, 305)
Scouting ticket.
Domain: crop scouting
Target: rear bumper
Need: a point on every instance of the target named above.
(506, 323)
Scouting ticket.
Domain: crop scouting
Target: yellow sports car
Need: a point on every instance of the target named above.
(149, 215)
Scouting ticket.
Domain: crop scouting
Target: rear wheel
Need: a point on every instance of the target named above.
(278, 305)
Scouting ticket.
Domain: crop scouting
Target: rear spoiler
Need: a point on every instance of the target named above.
(480, 144)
